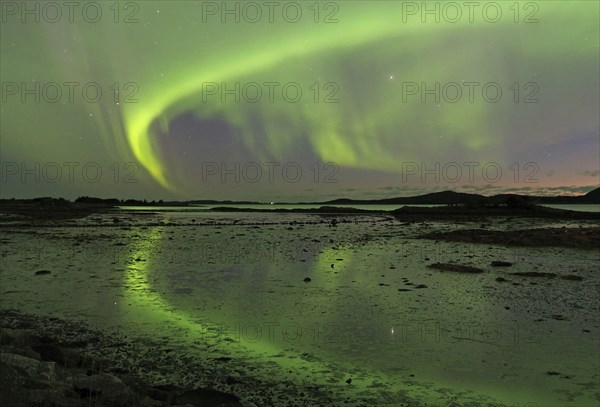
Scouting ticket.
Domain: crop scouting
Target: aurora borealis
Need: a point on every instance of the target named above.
(366, 72)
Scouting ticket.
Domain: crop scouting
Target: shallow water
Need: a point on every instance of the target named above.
(200, 208)
(238, 291)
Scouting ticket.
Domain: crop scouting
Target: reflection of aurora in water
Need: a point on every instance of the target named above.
(162, 312)
(152, 310)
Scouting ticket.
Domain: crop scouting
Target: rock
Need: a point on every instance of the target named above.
(13, 336)
(11, 377)
(42, 272)
(62, 356)
(585, 238)
(307, 279)
(232, 380)
(571, 277)
(19, 389)
(23, 351)
(49, 353)
(458, 268)
(161, 393)
(534, 274)
(207, 397)
(223, 359)
(12, 383)
(109, 388)
(149, 402)
(34, 370)
(497, 263)
(349, 381)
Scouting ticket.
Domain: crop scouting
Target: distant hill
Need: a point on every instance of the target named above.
(441, 198)
(592, 196)
(435, 198)
(451, 197)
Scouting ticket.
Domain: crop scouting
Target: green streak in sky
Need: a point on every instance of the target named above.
(171, 53)
(365, 28)
(370, 128)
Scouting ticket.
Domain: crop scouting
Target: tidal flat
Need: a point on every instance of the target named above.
(313, 309)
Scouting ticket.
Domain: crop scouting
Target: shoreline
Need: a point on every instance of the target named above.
(39, 216)
(62, 362)
(57, 362)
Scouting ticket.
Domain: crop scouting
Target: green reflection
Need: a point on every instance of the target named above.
(153, 311)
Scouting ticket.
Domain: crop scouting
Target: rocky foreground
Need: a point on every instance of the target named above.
(58, 363)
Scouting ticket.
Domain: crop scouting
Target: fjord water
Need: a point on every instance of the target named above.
(372, 311)
(576, 207)
(386, 207)
(266, 206)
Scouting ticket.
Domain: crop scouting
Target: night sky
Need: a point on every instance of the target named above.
(360, 127)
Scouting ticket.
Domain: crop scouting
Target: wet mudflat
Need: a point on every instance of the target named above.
(349, 312)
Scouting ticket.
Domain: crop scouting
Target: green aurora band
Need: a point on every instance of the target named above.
(171, 54)
(339, 132)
